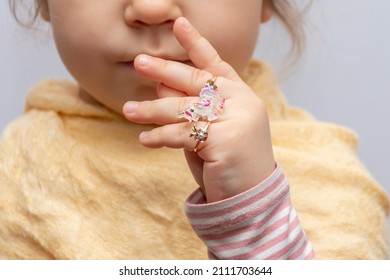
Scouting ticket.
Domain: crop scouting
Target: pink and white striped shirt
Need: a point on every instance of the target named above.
(260, 223)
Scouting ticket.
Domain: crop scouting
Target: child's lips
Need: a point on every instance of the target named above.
(129, 64)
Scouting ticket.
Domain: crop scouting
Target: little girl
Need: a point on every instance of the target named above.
(78, 177)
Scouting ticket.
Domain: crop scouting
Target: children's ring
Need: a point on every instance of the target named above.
(209, 106)
(211, 82)
(200, 135)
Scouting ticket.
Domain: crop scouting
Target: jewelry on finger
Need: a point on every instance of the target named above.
(211, 82)
(200, 135)
(209, 106)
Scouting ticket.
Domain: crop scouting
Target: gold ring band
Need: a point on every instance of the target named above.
(200, 135)
(212, 81)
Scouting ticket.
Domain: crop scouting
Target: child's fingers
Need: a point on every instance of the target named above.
(173, 136)
(164, 91)
(176, 75)
(160, 111)
(200, 51)
(173, 74)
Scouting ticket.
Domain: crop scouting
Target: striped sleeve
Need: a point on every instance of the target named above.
(260, 223)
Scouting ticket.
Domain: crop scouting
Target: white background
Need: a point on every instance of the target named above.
(343, 77)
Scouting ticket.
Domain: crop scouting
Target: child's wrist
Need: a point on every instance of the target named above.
(240, 183)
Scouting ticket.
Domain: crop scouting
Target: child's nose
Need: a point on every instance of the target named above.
(151, 12)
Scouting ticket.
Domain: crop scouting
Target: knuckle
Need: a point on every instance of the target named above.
(147, 109)
(181, 105)
(236, 131)
(199, 76)
(154, 137)
(215, 58)
(183, 130)
(185, 140)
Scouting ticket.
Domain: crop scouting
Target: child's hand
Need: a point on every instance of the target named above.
(237, 154)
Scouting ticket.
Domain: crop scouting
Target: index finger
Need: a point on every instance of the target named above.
(201, 52)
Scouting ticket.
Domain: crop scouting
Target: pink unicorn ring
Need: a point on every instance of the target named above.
(208, 107)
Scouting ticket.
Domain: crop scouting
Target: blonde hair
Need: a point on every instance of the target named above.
(290, 14)
(26, 9)
(293, 18)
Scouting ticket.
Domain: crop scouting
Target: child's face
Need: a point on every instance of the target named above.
(99, 39)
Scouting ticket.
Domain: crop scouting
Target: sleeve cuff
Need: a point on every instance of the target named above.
(238, 209)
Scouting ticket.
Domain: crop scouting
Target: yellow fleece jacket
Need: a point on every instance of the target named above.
(75, 183)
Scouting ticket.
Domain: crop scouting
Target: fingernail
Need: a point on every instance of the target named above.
(186, 24)
(144, 135)
(144, 60)
(130, 107)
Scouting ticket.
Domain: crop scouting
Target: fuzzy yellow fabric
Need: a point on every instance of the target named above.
(76, 184)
